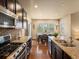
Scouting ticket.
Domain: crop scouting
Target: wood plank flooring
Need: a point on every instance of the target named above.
(39, 51)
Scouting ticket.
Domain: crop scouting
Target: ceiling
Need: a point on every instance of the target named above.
(50, 9)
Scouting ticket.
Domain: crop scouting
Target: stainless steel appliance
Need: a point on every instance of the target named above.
(49, 45)
(22, 54)
(29, 45)
(10, 50)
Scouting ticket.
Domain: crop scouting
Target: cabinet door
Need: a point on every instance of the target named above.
(11, 5)
(9, 21)
(53, 50)
(58, 53)
(49, 45)
(2, 3)
(18, 9)
(1, 19)
(18, 24)
(66, 56)
(25, 26)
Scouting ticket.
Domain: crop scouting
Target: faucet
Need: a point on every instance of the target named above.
(71, 40)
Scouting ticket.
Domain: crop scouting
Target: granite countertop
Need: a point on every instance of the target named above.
(73, 52)
(22, 39)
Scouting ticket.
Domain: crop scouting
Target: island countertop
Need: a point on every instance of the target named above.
(73, 52)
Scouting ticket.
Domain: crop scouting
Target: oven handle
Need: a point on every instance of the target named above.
(21, 53)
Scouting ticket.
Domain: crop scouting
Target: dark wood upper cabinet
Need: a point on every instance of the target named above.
(18, 24)
(8, 4)
(2, 3)
(21, 22)
(25, 26)
(15, 7)
(18, 9)
(11, 5)
(19, 13)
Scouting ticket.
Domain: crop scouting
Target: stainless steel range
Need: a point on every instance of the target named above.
(10, 50)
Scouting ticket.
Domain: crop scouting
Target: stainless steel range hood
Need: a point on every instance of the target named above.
(7, 13)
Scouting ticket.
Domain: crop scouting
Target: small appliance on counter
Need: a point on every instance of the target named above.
(9, 50)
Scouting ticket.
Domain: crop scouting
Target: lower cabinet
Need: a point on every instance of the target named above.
(53, 50)
(57, 52)
(66, 56)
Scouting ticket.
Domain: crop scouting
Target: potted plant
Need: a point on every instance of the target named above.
(55, 34)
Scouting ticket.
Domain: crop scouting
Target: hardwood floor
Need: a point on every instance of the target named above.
(39, 51)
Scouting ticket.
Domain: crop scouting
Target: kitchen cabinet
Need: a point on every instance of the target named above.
(66, 56)
(22, 21)
(25, 26)
(8, 4)
(57, 52)
(3, 3)
(25, 22)
(18, 24)
(19, 21)
(14, 7)
(19, 13)
(53, 50)
(49, 45)
(19, 10)
(22, 24)
(11, 5)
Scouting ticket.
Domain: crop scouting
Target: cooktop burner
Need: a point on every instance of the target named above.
(8, 49)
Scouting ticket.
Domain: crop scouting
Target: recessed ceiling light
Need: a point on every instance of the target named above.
(36, 6)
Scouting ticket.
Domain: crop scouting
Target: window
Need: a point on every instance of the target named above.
(44, 26)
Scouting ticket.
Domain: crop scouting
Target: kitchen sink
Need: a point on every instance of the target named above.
(60, 41)
(68, 45)
(64, 43)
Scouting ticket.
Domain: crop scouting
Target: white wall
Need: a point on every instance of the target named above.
(65, 25)
(75, 25)
(35, 22)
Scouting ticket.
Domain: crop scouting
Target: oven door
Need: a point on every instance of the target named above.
(22, 54)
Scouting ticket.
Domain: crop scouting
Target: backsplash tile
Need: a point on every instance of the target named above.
(14, 32)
